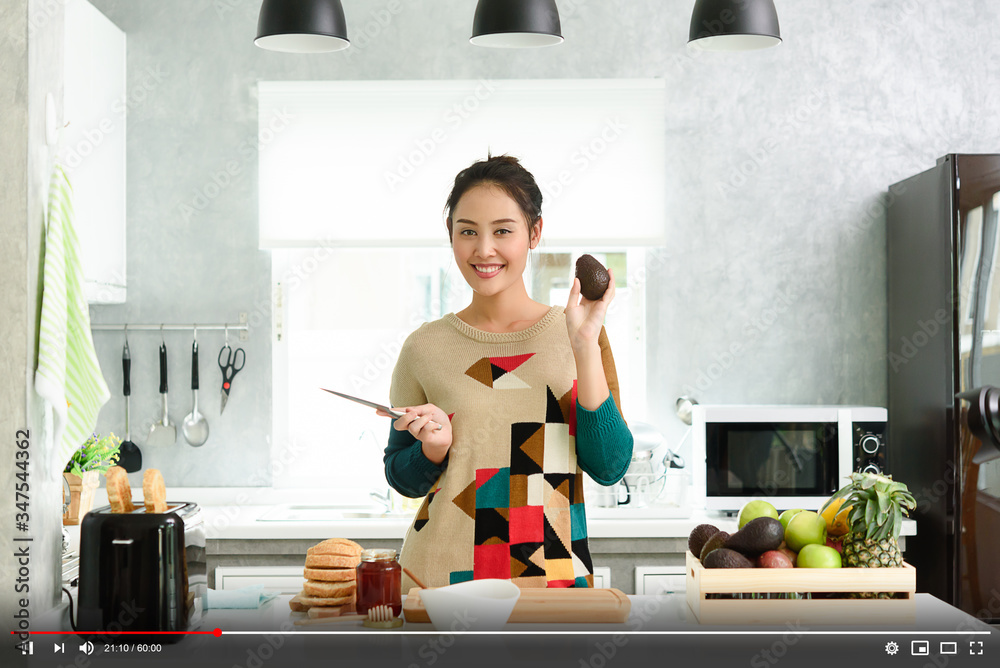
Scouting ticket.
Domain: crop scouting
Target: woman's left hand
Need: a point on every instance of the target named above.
(584, 318)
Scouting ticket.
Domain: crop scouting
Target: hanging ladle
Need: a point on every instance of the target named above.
(195, 427)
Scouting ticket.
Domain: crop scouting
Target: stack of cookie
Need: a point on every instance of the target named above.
(330, 587)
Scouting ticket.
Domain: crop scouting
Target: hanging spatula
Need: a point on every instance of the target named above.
(129, 455)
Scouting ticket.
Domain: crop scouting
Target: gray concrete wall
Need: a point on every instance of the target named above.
(774, 288)
(31, 52)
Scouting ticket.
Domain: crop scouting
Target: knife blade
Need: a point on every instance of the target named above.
(365, 402)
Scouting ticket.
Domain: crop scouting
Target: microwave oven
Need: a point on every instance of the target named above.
(793, 456)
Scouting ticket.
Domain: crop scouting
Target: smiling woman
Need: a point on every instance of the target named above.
(506, 405)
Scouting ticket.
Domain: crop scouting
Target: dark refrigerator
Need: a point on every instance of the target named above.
(943, 244)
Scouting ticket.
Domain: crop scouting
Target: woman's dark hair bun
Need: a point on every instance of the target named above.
(504, 172)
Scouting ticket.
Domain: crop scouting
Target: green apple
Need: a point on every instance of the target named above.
(786, 516)
(805, 528)
(751, 510)
(818, 556)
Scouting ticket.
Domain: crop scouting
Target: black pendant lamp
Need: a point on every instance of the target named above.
(734, 25)
(302, 26)
(516, 24)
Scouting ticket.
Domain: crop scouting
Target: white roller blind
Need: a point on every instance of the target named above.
(371, 163)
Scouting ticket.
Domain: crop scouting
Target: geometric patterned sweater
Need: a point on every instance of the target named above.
(507, 501)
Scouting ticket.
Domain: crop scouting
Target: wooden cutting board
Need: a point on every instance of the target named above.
(540, 606)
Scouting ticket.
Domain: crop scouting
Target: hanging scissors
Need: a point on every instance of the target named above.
(234, 362)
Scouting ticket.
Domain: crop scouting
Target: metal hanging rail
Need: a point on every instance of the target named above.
(236, 327)
(240, 326)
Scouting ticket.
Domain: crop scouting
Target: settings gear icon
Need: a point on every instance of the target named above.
(891, 648)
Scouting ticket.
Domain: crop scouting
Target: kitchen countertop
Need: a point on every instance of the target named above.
(233, 513)
(649, 613)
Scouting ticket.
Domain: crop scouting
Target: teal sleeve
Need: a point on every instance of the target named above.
(603, 442)
(407, 469)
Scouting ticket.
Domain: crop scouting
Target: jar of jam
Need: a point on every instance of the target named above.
(379, 581)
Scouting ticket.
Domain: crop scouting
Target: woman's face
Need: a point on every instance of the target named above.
(490, 239)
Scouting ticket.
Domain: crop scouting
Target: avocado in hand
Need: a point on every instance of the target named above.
(594, 278)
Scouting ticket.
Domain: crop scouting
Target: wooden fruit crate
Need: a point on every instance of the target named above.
(703, 581)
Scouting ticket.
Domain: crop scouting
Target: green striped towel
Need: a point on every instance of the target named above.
(68, 377)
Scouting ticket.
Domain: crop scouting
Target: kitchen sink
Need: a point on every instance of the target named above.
(327, 513)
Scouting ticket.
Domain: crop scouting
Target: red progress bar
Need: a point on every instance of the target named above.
(215, 632)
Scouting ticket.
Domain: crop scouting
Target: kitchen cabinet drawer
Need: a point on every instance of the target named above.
(602, 577)
(276, 579)
(654, 580)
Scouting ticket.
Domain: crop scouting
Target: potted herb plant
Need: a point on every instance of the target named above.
(92, 459)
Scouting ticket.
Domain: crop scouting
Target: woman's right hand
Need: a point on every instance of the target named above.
(429, 425)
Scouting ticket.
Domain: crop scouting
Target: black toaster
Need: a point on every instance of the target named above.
(142, 571)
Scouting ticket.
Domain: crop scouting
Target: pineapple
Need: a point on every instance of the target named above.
(875, 521)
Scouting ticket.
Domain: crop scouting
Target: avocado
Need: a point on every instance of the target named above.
(714, 543)
(757, 536)
(726, 558)
(699, 536)
(594, 278)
